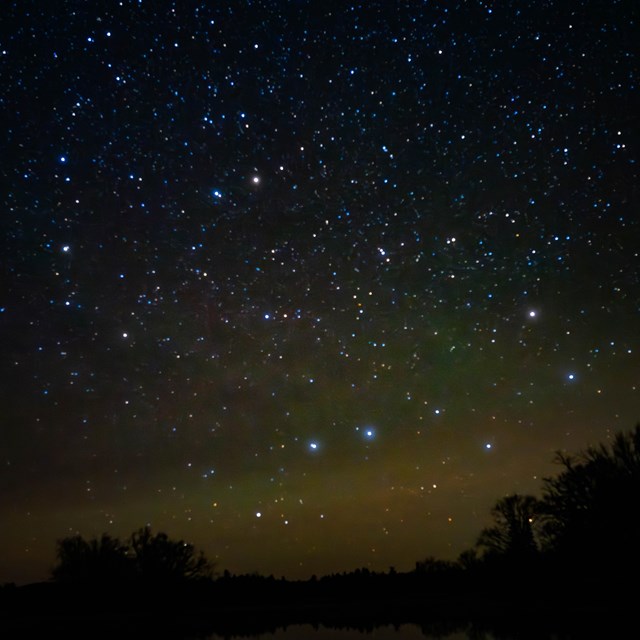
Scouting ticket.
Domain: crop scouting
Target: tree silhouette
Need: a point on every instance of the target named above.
(592, 508)
(513, 534)
(101, 559)
(148, 557)
(158, 558)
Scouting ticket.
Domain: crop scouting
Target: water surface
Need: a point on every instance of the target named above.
(403, 632)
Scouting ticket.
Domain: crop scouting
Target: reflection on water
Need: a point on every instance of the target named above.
(511, 629)
(403, 632)
(581, 624)
(504, 628)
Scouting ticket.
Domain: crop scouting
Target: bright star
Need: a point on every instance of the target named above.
(369, 433)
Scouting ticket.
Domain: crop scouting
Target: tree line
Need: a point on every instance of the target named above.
(583, 531)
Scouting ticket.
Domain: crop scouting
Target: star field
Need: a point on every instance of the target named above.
(309, 284)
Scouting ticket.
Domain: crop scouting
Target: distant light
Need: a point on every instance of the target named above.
(258, 514)
(487, 446)
(313, 446)
(533, 313)
(255, 179)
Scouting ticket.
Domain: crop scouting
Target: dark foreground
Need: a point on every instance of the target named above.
(243, 607)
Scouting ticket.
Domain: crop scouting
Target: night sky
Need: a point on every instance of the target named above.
(309, 284)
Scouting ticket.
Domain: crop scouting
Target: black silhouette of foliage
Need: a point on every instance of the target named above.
(592, 508)
(580, 538)
(158, 558)
(514, 532)
(101, 559)
(433, 566)
(148, 557)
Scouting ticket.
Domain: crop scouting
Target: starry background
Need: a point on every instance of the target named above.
(310, 284)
